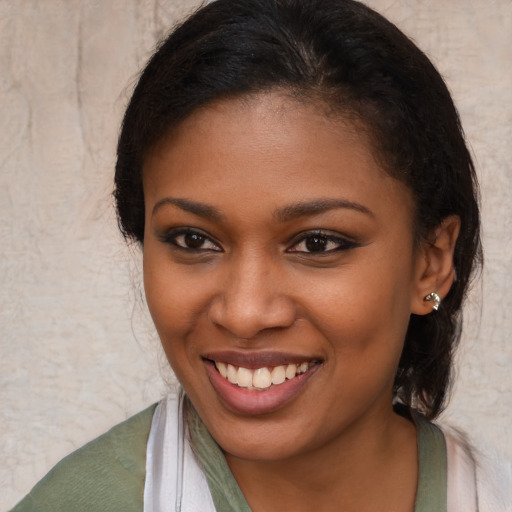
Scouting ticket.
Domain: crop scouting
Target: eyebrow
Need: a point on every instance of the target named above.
(285, 214)
(316, 207)
(200, 209)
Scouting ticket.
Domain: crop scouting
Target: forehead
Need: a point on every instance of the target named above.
(261, 116)
(293, 150)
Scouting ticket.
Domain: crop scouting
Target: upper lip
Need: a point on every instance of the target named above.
(260, 359)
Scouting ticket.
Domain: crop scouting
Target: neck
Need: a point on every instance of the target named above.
(370, 466)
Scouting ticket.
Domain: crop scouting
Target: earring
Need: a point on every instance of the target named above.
(433, 297)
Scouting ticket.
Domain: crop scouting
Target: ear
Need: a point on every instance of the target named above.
(435, 271)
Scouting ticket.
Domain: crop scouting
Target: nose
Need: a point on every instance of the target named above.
(251, 298)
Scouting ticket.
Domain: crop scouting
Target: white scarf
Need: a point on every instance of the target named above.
(175, 481)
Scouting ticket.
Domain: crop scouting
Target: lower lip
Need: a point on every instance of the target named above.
(247, 401)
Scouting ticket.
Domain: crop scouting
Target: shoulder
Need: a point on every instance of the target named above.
(106, 474)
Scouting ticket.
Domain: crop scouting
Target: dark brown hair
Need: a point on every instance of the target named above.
(357, 62)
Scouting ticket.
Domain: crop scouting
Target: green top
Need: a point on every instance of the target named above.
(107, 474)
(225, 491)
(431, 495)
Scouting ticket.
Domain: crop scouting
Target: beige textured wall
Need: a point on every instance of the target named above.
(77, 351)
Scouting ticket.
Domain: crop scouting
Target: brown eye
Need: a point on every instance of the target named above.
(190, 240)
(193, 240)
(321, 243)
(316, 243)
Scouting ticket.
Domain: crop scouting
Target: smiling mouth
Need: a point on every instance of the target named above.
(261, 379)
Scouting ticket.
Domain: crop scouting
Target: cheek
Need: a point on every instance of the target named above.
(168, 295)
(171, 316)
(365, 336)
(178, 298)
(366, 295)
(363, 309)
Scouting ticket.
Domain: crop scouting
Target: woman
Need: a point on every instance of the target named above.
(297, 178)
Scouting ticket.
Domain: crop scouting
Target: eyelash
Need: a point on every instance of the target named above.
(342, 243)
(172, 237)
(322, 237)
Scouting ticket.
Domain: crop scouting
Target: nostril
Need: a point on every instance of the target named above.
(245, 319)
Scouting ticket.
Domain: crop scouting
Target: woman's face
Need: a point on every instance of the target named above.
(279, 270)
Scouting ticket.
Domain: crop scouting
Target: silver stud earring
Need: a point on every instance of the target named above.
(433, 297)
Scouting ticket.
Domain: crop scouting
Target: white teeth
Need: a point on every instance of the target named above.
(260, 378)
(245, 378)
(303, 368)
(232, 374)
(278, 375)
(223, 370)
(291, 370)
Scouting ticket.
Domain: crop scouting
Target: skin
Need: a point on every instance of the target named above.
(252, 286)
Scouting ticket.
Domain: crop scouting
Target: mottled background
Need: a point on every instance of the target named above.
(77, 350)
